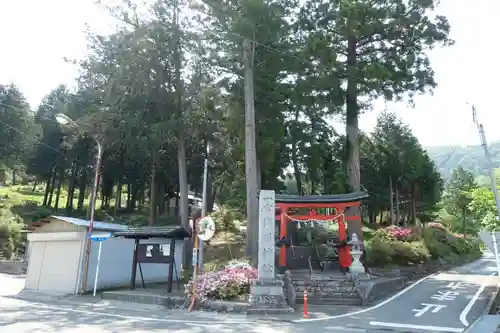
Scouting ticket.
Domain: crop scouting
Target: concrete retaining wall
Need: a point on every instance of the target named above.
(13, 267)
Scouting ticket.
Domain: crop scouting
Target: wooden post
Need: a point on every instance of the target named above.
(171, 266)
(283, 233)
(134, 264)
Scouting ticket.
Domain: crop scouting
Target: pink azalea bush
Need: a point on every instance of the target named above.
(399, 233)
(227, 283)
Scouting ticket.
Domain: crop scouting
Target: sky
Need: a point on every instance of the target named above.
(40, 34)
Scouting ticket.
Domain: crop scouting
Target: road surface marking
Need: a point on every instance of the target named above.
(445, 295)
(204, 325)
(465, 312)
(138, 318)
(471, 265)
(435, 309)
(418, 327)
(345, 329)
(393, 297)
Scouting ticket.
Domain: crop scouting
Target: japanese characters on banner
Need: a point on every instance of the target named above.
(311, 224)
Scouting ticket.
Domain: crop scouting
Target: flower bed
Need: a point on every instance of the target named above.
(230, 283)
(396, 246)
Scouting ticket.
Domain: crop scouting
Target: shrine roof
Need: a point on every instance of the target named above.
(319, 199)
(173, 232)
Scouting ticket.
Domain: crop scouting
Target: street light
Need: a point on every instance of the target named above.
(66, 121)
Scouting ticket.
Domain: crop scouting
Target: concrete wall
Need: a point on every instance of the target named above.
(116, 264)
(13, 267)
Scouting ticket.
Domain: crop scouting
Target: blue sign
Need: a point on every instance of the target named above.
(100, 237)
(195, 256)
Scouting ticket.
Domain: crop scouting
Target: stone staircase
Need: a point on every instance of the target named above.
(298, 257)
(324, 288)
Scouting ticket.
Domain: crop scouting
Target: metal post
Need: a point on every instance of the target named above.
(88, 244)
(484, 144)
(204, 208)
(97, 268)
(495, 248)
(490, 168)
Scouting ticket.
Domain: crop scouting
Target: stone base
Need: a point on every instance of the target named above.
(267, 297)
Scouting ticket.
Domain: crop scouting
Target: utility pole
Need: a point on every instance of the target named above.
(250, 153)
(484, 144)
(204, 208)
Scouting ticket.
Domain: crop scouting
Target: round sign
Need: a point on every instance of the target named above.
(205, 228)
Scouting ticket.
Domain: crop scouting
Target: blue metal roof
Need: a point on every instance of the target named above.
(98, 225)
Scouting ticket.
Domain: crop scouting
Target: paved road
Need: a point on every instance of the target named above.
(445, 302)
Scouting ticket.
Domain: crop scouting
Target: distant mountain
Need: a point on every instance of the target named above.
(471, 158)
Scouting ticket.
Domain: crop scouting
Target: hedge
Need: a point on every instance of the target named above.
(394, 246)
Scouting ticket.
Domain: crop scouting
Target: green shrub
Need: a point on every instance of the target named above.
(226, 218)
(415, 237)
(409, 253)
(10, 233)
(382, 251)
(379, 252)
(432, 242)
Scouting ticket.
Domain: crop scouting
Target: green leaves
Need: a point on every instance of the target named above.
(16, 126)
(458, 192)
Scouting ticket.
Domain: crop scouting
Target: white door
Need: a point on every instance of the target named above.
(59, 271)
(35, 262)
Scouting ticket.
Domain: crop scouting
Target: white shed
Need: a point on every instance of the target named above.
(56, 253)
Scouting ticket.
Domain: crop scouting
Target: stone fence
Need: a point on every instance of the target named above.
(15, 267)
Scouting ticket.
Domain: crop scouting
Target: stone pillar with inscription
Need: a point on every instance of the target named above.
(266, 293)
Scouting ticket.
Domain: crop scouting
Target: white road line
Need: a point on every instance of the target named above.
(138, 318)
(204, 325)
(465, 312)
(418, 327)
(345, 329)
(373, 307)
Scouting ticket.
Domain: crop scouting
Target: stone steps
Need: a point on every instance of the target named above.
(325, 291)
(297, 257)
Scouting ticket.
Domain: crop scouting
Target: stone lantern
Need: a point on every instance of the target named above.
(356, 266)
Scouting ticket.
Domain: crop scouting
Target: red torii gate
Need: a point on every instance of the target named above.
(335, 205)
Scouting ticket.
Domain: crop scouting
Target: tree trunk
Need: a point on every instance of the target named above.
(47, 187)
(251, 172)
(153, 196)
(82, 188)
(181, 140)
(413, 205)
(352, 133)
(211, 192)
(129, 196)
(52, 185)
(142, 193)
(58, 191)
(14, 177)
(161, 194)
(398, 212)
(35, 183)
(118, 198)
(71, 187)
(391, 201)
(295, 162)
